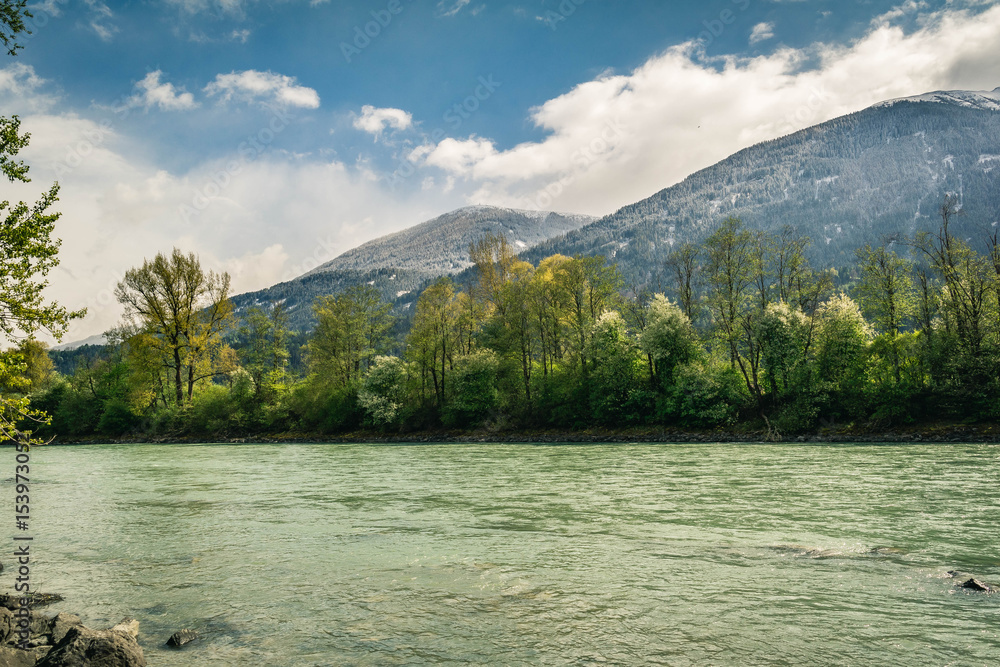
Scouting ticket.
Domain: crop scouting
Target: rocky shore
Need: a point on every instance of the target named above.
(62, 640)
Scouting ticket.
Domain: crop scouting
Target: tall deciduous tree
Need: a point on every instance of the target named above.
(730, 269)
(264, 354)
(887, 295)
(352, 328)
(432, 340)
(684, 269)
(967, 283)
(27, 251)
(184, 309)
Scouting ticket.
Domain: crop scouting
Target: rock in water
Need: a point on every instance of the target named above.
(83, 647)
(974, 584)
(182, 637)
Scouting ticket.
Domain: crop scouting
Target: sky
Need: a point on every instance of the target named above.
(269, 137)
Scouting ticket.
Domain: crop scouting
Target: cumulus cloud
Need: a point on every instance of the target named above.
(618, 138)
(20, 84)
(267, 220)
(151, 92)
(761, 32)
(374, 120)
(251, 85)
(607, 143)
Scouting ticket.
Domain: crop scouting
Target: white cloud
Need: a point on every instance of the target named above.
(374, 120)
(251, 85)
(761, 32)
(267, 221)
(20, 83)
(49, 7)
(609, 142)
(105, 32)
(224, 7)
(618, 139)
(451, 7)
(240, 36)
(150, 92)
(101, 14)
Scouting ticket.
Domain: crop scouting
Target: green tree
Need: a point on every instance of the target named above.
(887, 296)
(12, 15)
(352, 329)
(669, 339)
(615, 372)
(473, 393)
(785, 335)
(27, 254)
(264, 350)
(967, 282)
(383, 392)
(731, 275)
(184, 309)
(431, 341)
(842, 340)
(37, 371)
(684, 269)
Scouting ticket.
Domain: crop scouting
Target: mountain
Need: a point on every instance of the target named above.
(97, 339)
(861, 178)
(400, 263)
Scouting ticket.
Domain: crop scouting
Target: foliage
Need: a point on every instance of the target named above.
(563, 344)
(351, 331)
(382, 394)
(180, 312)
(27, 254)
(474, 396)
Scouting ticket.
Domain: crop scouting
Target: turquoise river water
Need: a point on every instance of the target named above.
(519, 554)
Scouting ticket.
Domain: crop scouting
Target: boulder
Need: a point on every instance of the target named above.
(83, 647)
(15, 657)
(7, 625)
(61, 624)
(182, 637)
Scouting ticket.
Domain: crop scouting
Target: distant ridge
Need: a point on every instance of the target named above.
(399, 263)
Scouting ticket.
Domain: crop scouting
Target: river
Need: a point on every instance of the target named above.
(521, 554)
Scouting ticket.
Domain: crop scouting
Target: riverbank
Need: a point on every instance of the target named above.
(936, 432)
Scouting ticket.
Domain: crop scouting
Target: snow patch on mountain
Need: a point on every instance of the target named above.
(988, 100)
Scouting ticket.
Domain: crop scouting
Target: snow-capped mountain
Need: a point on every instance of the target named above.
(857, 179)
(399, 264)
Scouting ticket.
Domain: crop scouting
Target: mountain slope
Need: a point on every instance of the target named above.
(398, 264)
(856, 179)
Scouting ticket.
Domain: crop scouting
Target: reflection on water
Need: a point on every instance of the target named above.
(515, 554)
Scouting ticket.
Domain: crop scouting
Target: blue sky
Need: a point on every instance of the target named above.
(271, 136)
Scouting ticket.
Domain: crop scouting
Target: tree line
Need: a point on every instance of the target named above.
(744, 331)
